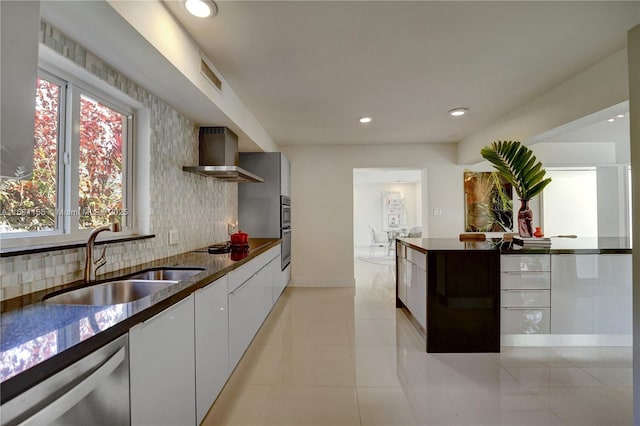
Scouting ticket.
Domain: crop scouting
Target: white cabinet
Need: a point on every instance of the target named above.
(591, 294)
(278, 283)
(285, 277)
(412, 282)
(250, 300)
(162, 373)
(285, 176)
(211, 344)
(525, 295)
(417, 292)
(19, 49)
(245, 312)
(402, 279)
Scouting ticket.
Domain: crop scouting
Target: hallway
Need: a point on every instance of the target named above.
(339, 356)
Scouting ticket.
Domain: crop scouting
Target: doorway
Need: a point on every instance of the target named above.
(386, 201)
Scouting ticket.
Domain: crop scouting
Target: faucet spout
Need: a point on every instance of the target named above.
(90, 265)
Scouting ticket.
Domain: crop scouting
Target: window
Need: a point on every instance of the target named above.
(81, 164)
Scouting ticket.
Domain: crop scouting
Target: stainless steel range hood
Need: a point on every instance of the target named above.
(219, 156)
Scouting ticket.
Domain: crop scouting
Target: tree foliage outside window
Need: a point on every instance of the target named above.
(31, 205)
(100, 191)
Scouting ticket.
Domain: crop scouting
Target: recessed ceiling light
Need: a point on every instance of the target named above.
(365, 120)
(620, 115)
(201, 8)
(458, 112)
(611, 120)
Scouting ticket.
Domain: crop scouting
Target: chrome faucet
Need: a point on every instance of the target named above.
(91, 266)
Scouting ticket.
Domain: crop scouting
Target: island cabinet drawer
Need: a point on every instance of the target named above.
(525, 298)
(418, 258)
(401, 250)
(525, 280)
(525, 263)
(525, 321)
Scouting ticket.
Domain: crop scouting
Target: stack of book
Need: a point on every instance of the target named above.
(532, 242)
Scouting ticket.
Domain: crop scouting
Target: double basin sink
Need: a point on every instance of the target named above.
(127, 290)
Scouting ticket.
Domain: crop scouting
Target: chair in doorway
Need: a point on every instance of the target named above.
(415, 232)
(378, 239)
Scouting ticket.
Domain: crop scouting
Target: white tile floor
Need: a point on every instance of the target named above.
(348, 357)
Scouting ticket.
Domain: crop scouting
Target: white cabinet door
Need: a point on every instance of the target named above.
(20, 23)
(285, 277)
(524, 321)
(162, 368)
(266, 294)
(612, 296)
(591, 294)
(416, 280)
(276, 279)
(285, 176)
(211, 343)
(402, 279)
(245, 316)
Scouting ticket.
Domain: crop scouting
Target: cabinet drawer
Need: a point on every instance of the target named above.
(525, 298)
(525, 263)
(418, 258)
(401, 250)
(525, 280)
(524, 321)
(246, 271)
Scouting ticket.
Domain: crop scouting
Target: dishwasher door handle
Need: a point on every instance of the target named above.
(74, 395)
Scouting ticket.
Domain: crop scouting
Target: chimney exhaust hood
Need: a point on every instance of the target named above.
(218, 147)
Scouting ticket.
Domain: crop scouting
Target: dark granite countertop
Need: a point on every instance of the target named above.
(603, 245)
(448, 244)
(39, 339)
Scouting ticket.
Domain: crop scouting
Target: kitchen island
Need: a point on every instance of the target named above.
(452, 289)
(577, 292)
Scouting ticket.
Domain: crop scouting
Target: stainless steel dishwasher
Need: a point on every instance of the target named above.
(94, 390)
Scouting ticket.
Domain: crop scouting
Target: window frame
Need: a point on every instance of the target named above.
(72, 87)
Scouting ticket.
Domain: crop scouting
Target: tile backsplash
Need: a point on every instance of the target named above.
(199, 208)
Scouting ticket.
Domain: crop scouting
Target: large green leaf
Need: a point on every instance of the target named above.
(518, 165)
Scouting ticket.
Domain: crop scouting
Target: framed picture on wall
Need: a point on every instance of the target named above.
(488, 201)
(392, 209)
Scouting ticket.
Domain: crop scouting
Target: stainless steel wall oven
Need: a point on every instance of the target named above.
(285, 230)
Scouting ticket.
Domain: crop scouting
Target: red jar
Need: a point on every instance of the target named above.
(240, 238)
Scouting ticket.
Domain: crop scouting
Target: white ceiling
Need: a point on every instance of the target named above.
(308, 69)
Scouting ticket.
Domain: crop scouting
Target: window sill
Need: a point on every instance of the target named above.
(43, 248)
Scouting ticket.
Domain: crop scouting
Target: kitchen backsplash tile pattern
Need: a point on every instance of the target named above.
(197, 207)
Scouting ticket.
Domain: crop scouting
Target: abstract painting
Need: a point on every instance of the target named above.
(488, 202)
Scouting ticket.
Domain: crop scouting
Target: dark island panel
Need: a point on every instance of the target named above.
(463, 301)
(456, 297)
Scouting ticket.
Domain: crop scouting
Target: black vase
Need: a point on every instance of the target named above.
(525, 219)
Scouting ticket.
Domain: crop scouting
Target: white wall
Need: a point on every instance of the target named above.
(322, 195)
(367, 207)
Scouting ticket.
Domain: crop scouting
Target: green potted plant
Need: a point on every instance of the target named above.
(517, 164)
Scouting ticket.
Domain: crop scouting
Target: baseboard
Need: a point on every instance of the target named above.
(566, 340)
(322, 282)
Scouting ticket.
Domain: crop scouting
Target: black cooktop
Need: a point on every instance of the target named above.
(226, 248)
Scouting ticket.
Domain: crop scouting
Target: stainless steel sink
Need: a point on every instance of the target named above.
(177, 274)
(110, 293)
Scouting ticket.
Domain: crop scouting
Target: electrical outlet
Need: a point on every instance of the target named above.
(173, 237)
(437, 212)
